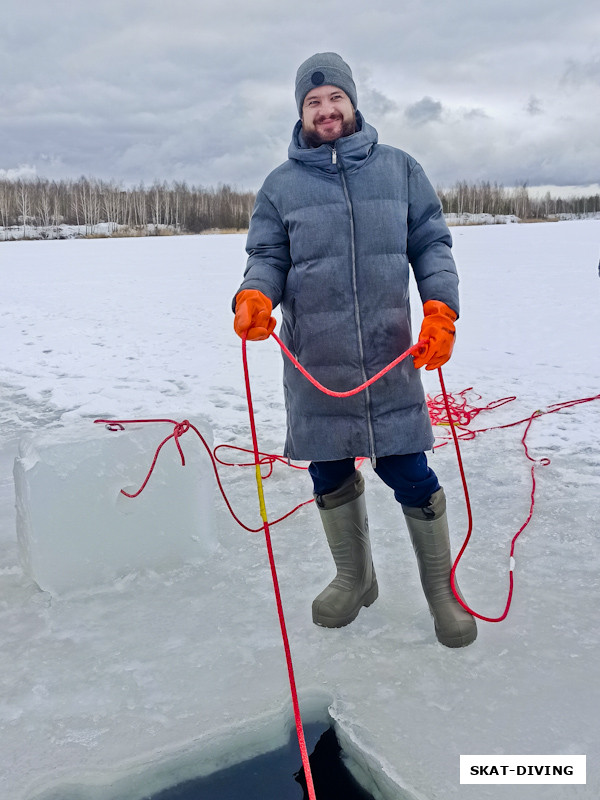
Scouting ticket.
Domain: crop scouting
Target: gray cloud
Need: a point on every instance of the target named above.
(374, 103)
(579, 72)
(423, 111)
(474, 114)
(534, 106)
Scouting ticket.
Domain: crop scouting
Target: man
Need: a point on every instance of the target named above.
(332, 235)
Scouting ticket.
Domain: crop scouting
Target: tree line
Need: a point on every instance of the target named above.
(30, 208)
(491, 198)
(32, 205)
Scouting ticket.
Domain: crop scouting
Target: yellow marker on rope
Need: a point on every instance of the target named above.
(261, 496)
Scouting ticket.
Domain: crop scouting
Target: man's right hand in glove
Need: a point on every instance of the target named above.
(253, 315)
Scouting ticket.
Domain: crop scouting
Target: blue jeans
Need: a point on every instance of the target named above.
(412, 480)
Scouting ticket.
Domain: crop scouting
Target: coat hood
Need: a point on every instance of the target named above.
(352, 150)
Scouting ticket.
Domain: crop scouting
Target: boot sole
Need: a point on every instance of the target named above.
(463, 640)
(340, 622)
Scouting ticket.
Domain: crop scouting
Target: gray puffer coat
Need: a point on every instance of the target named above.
(331, 237)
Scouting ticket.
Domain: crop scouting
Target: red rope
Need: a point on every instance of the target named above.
(179, 428)
(286, 643)
(447, 409)
(534, 462)
(543, 461)
(414, 349)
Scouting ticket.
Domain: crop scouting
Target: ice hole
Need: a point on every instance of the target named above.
(253, 764)
(278, 775)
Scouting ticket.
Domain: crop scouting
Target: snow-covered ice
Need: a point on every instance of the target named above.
(167, 670)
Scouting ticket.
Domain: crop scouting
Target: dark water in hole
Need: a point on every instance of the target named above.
(278, 775)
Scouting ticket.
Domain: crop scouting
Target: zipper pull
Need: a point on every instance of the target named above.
(333, 156)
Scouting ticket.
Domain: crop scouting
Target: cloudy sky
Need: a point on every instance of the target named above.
(202, 90)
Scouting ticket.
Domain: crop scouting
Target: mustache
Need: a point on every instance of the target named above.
(332, 115)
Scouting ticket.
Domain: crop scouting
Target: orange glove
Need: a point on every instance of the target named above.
(253, 315)
(437, 335)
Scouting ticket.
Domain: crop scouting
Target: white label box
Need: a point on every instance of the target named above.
(524, 769)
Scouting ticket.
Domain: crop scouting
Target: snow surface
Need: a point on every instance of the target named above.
(180, 671)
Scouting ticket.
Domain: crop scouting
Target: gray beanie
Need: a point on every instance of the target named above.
(324, 69)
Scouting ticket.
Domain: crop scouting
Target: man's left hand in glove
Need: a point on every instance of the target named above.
(437, 335)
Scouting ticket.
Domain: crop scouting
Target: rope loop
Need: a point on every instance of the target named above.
(178, 431)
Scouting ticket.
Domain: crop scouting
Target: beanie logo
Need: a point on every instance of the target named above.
(317, 78)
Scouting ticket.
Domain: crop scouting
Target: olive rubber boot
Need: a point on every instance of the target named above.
(344, 517)
(428, 528)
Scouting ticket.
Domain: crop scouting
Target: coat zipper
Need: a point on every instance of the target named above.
(361, 351)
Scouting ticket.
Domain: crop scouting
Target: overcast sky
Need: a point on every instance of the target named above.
(203, 90)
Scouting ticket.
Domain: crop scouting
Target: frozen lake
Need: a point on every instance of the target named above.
(182, 671)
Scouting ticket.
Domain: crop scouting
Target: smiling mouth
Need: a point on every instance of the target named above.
(329, 121)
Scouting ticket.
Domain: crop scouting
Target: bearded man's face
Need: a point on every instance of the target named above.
(327, 115)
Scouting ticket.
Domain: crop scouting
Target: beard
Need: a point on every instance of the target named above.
(314, 139)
